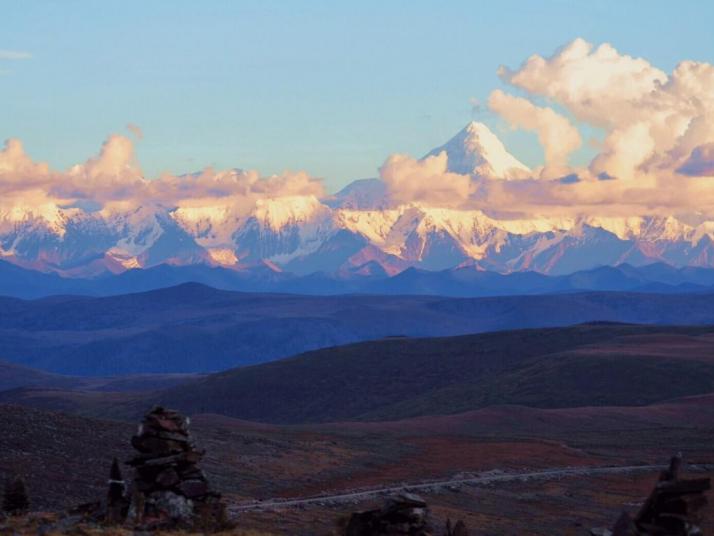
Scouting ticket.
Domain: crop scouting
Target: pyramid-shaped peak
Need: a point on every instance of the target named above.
(476, 127)
(476, 150)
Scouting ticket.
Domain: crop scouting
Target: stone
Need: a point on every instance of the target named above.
(169, 490)
(193, 488)
(404, 514)
(176, 507)
(154, 444)
(457, 530)
(167, 478)
(117, 503)
(672, 507)
(600, 531)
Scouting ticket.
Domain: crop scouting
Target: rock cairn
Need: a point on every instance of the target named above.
(169, 489)
(15, 500)
(405, 514)
(672, 508)
(459, 529)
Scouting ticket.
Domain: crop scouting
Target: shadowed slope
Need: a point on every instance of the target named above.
(397, 378)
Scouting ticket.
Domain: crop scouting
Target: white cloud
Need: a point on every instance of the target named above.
(14, 55)
(557, 135)
(653, 120)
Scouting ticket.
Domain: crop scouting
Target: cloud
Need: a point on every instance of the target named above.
(583, 79)
(14, 55)
(428, 180)
(113, 179)
(658, 140)
(657, 144)
(653, 121)
(557, 135)
(15, 162)
(135, 130)
(700, 163)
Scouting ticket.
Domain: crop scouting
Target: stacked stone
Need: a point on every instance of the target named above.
(169, 489)
(673, 507)
(405, 514)
(456, 530)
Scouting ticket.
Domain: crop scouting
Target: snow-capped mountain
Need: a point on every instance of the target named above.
(358, 232)
(478, 151)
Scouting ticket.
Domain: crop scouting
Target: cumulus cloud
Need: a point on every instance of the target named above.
(653, 121)
(583, 78)
(14, 162)
(113, 179)
(655, 156)
(557, 135)
(409, 180)
(700, 163)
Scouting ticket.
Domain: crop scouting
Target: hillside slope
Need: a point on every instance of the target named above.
(587, 365)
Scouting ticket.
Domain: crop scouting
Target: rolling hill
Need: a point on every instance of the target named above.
(586, 365)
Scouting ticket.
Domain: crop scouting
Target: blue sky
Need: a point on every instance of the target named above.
(329, 87)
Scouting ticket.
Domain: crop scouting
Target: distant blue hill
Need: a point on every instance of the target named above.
(457, 282)
(195, 328)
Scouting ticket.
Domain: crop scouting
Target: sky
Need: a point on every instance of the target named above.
(333, 88)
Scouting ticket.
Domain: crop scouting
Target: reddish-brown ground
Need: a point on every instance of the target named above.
(429, 458)
(66, 460)
(563, 507)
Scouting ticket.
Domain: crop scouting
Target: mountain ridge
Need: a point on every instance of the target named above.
(368, 277)
(304, 233)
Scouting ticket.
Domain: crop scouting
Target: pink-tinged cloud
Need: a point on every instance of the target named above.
(653, 121)
(556, 134)
(657, 143)
(135, 130)
(409, 180)
(14, 162)
(113, 180)
(700, 163)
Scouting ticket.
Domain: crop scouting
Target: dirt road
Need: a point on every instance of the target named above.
(491, 477)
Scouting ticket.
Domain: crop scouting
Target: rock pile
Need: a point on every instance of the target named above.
(169, 489)
(404, 514)
(117, 503)
(457, 530)
(15, 500)
(672, 508)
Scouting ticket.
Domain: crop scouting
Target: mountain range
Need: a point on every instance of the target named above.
(360, 232)
(462, 281)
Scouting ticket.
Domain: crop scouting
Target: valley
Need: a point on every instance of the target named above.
(356, 269)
